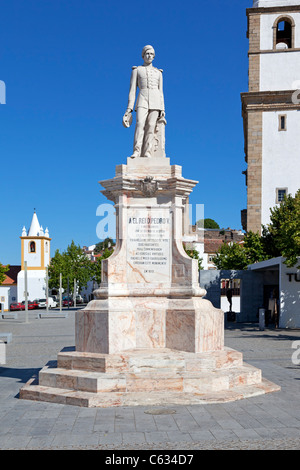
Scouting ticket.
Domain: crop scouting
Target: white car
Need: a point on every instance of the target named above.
(42, 303)
(52, 302)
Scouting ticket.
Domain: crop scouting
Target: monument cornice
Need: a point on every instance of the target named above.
(121, 185)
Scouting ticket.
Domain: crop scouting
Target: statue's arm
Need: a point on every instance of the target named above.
(160, 86)
(132, 89)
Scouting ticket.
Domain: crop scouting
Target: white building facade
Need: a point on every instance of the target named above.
(8, 289)
(35, 252)
(271, 108)
(288, 283)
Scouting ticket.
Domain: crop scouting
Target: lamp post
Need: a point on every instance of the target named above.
(60, 292)
(47, 290)
(74, 295)
(26, 291)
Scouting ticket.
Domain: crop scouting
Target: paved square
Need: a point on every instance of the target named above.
(269, 421)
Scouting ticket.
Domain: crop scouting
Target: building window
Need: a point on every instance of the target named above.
(284, 33)
(280, 193)
(282, 122)
(32, 247)
(46, 247)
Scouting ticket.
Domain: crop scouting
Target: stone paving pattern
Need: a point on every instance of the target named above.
(269, 421)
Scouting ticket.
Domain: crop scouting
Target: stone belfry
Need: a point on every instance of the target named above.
(271, 107)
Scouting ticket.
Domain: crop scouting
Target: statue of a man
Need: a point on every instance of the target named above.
(150, 108)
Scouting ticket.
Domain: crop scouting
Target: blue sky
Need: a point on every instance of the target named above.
(67, 64)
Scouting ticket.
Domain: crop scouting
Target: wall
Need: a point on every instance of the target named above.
(33, 259)
(251, 298)
(278, 70)
(36, 283)
(10, 295)
(290, 297)
(280, 162)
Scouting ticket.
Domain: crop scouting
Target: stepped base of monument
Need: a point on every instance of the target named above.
(146, 377)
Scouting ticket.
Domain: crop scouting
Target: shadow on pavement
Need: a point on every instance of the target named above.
(23, 375)
(268, 332)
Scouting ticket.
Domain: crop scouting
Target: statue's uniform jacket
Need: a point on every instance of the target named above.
(150, 83)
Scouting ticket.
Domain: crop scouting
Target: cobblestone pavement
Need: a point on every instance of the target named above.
(264, 422)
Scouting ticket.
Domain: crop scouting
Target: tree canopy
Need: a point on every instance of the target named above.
(195, 255)
(3, 270)
(73, 264)
(107, 243)
(207, 223)
(230, 256)
(281, 237)
(97, 265)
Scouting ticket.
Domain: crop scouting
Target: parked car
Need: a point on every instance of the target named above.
(67, 302)
(31, 305)
(35, 304)
(79, 299)
(16, 306)
(42, 303)
(51, 302)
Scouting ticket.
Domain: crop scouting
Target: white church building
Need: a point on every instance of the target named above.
(271, 108)
(35, 253)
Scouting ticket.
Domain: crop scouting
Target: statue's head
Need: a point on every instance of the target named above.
(148, 49)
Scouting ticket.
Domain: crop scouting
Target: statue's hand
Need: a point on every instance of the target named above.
(127, 118)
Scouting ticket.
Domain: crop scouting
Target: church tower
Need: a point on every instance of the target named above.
(35, 250)
(271, 108)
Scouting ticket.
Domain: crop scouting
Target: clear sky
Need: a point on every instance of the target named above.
(67, 64)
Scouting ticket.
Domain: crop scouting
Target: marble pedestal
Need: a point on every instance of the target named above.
(148, 337)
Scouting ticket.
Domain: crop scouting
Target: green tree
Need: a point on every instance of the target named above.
(281, 237)
(240, 255)
(195, 255)
(231, 256)
(254, 248)
(207, 223)
(3, 270)
(97, 265)
(73, 264)
(107, 243)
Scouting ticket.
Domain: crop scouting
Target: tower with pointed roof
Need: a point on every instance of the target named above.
(271, 108)
(35, 251)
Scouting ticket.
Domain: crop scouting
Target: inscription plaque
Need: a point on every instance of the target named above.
(149, 245)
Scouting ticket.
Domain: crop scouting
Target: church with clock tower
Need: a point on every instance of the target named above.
(271, 108)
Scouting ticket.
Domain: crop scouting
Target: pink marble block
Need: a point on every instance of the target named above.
(196, 330)
(105, 331)
(191, 325)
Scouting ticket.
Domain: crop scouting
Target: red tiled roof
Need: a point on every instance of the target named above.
(11, 275)
(212, 246)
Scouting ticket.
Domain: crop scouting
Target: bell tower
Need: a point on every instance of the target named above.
(271, 108)
(35, 251)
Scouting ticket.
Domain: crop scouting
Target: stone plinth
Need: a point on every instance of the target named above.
(147, 377)
(148, 337)
(117, 324)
